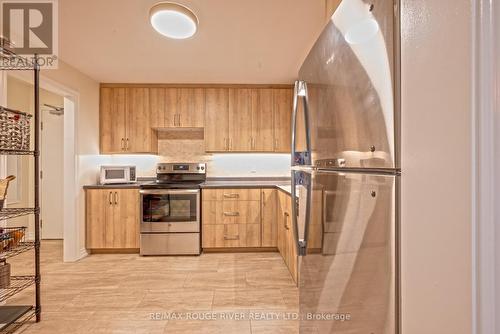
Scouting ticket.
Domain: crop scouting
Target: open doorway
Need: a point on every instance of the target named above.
(58, 191)
(52, 165)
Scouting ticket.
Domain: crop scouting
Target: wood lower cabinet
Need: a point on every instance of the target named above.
(231, 235)
(269, 209)
(231, 218)
(112, 219)
(243, 218)
(286, 234)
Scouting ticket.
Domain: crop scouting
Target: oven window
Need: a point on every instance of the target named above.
(115, 174)
(169, 208)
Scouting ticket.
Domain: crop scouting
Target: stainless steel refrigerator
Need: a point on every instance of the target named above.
(345, 173)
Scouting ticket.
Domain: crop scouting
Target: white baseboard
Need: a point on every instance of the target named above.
(83, 253)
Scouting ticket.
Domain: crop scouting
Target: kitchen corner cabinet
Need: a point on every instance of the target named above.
(125, 122)
(112, 218)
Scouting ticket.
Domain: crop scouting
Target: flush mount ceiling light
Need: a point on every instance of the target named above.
(173, 20)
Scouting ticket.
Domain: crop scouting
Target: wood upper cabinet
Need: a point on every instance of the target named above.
(191, 108)
(112, 218)
(262, 137)
(282, 101)
(140, 135)
(216, 119)
(235, 118)
(240, 120)
(125, 121)
(113, 117)
(163, 107)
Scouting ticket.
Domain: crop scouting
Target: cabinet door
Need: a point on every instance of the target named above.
(163, 105)
(191, 113)
(139, 131)
(112, 120)
(97, 204)
(126, 218)
(269, 214)
(262, 120)
(283, 99)
(292, 258)
(280, 223)
(216, 119)
(240, 120)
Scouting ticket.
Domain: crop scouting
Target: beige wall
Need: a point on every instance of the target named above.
(436, 163)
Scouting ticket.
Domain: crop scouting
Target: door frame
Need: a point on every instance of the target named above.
(72, 223)
(486, 171)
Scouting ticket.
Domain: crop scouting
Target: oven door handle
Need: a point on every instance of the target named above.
(169, 191)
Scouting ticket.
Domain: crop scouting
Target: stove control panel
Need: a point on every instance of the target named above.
(181, 168)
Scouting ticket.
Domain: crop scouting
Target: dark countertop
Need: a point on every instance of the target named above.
(281, 183)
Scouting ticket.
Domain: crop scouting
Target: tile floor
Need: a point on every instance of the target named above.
(213, 293)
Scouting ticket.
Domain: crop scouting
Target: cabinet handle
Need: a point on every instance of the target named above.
(175, 120)
(123, 144)
(231, 195)
(276, 144)
(109, 198)
(286, 215)
(178, 119)
(231, 214)
(237, 237)
(126, 144)
(253, 143)
(116, 198)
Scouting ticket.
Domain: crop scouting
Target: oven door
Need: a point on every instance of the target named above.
(170, 210)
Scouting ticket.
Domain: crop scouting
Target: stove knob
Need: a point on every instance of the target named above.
(202, 168)
(198, 168)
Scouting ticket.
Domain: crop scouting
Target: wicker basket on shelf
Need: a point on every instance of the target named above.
(4, 185)
(14, 130)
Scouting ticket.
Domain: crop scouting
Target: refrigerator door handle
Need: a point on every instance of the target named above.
(300, 92)
(301, 178)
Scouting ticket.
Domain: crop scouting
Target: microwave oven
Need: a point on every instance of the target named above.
(118, 174)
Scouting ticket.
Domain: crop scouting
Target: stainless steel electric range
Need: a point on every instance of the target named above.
(170, 210)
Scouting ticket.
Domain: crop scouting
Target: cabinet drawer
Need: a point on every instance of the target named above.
(231, 235)
(231, 194)
(231, 212)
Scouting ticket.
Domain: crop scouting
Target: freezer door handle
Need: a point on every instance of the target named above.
(300, 93)
(303, 179)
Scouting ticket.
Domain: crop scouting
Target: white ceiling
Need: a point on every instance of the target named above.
(238, 41)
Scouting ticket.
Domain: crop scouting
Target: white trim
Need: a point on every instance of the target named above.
(484, 106)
